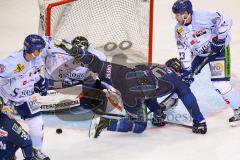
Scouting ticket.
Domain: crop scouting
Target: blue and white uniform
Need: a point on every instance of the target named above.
(18, 76)
(62, 69)
(200, 38)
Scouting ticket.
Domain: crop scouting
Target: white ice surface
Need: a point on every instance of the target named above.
(20, 18)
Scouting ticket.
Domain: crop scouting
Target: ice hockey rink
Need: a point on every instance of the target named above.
(20, 18)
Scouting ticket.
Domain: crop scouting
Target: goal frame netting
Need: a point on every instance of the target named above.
(50, 6)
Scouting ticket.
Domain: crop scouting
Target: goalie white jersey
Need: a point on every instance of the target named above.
(17, 77)
(195, 39)
(61, 67)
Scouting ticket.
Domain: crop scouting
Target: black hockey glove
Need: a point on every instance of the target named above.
(77, 52)
(41, 86)
(74, 50)
(217, 45)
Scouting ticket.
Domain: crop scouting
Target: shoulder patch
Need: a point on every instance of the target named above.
(2, 68)
(179, 32)
(20, 68)
(16, 128)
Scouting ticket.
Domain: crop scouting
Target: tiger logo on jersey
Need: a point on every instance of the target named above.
(20, 68)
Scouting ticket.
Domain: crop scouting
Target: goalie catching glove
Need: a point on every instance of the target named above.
(73, 49)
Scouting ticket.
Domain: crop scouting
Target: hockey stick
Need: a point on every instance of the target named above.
(149, 119)
(204, 62)
(179, 124)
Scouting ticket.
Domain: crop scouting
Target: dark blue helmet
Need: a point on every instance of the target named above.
(180, 6)
(32, 43)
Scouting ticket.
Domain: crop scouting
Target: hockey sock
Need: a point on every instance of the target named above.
(35, 125)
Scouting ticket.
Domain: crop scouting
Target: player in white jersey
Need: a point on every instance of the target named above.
(63, 70)
(18, 77)
(201, 34)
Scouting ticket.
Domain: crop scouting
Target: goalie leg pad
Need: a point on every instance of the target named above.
(94, 99)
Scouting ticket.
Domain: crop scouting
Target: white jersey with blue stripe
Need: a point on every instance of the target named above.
(61, 66)
(17, 77)
(195, 39)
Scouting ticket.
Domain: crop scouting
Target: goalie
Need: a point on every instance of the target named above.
(63, 71)
(137, 86)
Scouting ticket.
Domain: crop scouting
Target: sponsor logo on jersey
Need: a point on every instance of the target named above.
(2, 68)
(200, 32)
(192, 42)
(218, 67)
(179, 32)
(16, 128)
(25, 82)
(20, 68)
(108, 71)
(3, 133)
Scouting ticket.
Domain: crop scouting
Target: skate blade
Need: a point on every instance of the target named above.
(94, 123)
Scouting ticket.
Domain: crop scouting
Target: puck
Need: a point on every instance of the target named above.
(58, 130)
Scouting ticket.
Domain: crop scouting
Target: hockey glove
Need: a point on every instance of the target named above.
(217, 45)
(41, 86)
(187, 76)
(74, 50)
(77, 52)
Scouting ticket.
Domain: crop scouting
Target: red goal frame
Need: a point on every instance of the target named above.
(61, 2)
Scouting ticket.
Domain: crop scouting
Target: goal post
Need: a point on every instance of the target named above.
(112, 26)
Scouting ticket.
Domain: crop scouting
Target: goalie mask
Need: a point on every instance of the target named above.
(81, 42)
